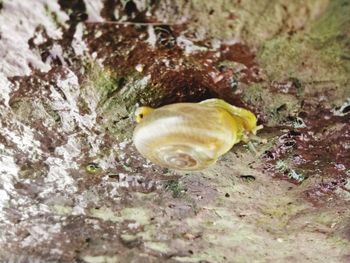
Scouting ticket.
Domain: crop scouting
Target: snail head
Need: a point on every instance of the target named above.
(141, 112)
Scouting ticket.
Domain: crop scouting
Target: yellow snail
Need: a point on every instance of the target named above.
(191, 136)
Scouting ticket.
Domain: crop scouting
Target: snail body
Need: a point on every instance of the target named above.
(191, 136)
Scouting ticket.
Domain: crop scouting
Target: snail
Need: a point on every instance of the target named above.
(191, 136)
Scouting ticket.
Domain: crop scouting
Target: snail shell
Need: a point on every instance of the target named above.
(186, 136)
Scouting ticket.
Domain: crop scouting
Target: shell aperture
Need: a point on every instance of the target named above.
(187, 136)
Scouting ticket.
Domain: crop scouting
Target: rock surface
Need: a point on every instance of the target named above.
(73, 187)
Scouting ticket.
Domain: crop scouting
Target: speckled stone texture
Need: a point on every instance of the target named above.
(73, 188)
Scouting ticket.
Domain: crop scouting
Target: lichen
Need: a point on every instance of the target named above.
(105, 213)
(62, 210)
(291, 173)
(138, 214)
(157, 247)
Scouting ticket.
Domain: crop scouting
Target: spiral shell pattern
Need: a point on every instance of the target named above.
(185, 136)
